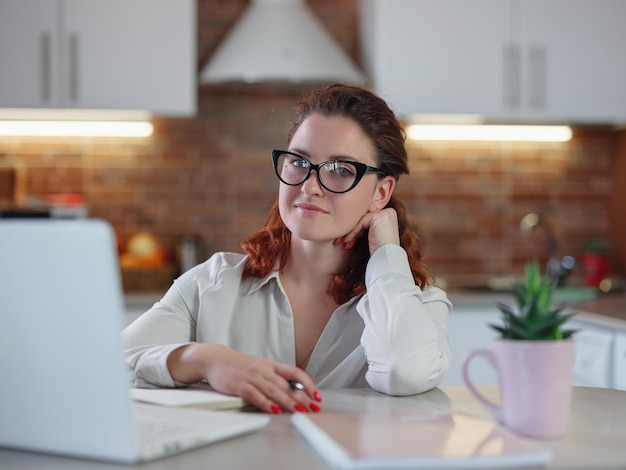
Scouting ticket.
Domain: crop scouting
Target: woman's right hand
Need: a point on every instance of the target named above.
(261, 382)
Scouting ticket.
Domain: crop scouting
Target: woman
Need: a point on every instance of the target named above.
(332, 293)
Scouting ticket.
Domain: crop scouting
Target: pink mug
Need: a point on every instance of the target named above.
(535, 382)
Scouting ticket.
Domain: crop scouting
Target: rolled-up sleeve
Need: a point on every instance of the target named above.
(151, 338)
(406, 328)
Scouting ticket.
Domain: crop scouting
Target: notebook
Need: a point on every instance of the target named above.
(64, 380)
(197, 396)
(414, 440)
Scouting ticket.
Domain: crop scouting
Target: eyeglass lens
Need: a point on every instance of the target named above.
(334, 176)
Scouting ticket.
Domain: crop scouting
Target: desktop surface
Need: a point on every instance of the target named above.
(595, 438)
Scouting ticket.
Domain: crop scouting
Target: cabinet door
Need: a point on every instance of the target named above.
(28, 53)
(468, 329)
(574, 63)
(131, 54)
(444, 56)
(593, 362)
(619, 361)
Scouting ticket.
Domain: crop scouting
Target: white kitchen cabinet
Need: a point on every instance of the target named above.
(113, 54)
(573, 60)
(469, 329)
(436, 57)
(27, 77)
(619, 361)
(593, 366)
(539, 60)
(600, 347)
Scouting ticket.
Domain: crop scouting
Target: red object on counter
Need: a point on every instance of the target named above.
(597, 267)
(65, 199)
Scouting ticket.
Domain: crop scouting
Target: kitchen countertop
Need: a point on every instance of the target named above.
(606, 309)
(140, 299)
(609, 309)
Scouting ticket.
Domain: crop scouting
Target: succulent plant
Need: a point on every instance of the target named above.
(535, 318)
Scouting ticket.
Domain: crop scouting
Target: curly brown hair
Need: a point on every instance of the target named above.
(271, 245)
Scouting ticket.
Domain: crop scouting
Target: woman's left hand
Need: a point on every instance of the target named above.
(382, 226)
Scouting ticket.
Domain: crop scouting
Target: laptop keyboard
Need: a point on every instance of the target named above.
(151, 430)
(164, 430)
(162, 424)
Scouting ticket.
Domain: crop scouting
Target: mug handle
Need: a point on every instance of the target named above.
(493, 408)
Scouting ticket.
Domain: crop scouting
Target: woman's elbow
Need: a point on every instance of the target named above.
(412, 375)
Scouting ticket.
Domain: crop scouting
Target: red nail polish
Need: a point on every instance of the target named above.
(276, 410)
(300, 408)
(314, 408)
(317, 396)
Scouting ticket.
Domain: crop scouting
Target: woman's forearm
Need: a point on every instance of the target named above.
(191, 363)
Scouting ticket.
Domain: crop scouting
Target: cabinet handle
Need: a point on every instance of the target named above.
(73, 68)
(511, 76)
(537, 77)
(45, 67)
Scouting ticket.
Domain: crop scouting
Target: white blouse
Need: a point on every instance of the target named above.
(393, 338)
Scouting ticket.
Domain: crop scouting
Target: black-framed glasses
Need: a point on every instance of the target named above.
(336, 176)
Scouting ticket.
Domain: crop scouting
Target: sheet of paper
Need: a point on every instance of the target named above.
(195, 397)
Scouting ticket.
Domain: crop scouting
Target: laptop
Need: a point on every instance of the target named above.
(65, 386)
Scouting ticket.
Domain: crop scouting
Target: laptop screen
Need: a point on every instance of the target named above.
(64, 381)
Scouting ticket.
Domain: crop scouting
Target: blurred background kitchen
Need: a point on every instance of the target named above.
(202, 180)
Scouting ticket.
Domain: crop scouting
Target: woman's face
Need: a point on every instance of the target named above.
(310, 211)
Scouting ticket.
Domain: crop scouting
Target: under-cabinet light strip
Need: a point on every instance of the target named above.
(58, 128)
(488, 132)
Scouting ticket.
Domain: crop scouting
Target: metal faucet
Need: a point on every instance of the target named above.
(556, 268)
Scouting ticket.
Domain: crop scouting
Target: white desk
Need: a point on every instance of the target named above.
(596, 438)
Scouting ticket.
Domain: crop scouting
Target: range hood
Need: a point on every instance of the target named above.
(280, 41)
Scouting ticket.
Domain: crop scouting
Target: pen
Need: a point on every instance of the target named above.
(296, 385)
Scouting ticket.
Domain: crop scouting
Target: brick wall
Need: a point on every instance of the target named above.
(470, 198)
(211, 176)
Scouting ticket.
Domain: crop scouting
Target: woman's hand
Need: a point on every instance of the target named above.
(259, 381)
(382, 226)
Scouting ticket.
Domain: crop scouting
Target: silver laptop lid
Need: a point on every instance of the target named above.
(60, 320)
